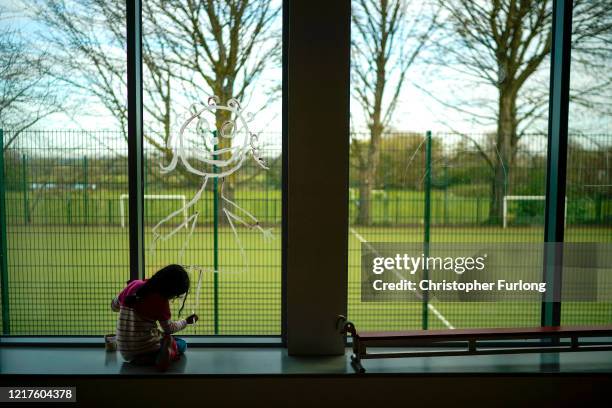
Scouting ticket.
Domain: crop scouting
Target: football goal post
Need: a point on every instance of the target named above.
(178, 197)
(524, 198)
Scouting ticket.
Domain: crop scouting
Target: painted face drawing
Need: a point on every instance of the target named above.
(202, 157)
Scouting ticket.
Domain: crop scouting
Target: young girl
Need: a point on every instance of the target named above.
(141, 305)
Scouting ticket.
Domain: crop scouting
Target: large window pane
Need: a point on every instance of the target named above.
(444, 67)
(65, 164)
(589, 175)
(192, 52)
(67, 188)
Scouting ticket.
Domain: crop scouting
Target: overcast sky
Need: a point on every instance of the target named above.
(417, 109)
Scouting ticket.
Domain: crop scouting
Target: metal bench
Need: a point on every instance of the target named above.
(470, 339)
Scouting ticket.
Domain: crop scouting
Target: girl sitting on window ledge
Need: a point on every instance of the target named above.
(141, 305)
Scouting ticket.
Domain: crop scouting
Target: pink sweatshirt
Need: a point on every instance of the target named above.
(137, 330)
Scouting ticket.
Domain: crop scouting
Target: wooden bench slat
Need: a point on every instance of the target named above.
(487, 333)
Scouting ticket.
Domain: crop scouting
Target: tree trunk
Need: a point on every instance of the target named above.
(505, 145)
(367, 174)
(229, 184)
(365, 190)
(498, 191)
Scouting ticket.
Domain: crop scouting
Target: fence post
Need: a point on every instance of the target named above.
(598, 212)
(24, 181)
(215, 244)
(110, 209)
(427, 224)
(6, 323)
(446, 193)
(274, 217)
(85, 210)
(385, 209)
(267, 187)
(397, 204)
(69, 210)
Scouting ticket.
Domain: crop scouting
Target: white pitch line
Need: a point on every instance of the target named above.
(440, 316)
(431, 307)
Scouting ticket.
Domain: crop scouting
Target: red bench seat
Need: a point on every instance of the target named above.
(471, 337)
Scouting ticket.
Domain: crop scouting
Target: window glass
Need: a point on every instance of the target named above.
(198, 57)
(589, 175)
(477, 77)
(63, 110)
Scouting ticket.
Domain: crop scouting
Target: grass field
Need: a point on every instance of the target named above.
(102, 207)
(68, 255)
(62, 278)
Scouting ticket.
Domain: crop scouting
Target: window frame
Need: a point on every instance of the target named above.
(303, 306)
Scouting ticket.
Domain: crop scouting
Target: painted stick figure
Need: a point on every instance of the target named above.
(216, 164)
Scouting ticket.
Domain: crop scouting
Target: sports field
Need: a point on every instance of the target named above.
(62, 278)
(68, 254)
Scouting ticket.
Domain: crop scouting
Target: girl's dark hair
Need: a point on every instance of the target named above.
(169, 282)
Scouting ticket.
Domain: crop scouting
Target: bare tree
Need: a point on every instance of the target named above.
(191, 49)
(89, 40)
(26, 89)
(388, 36)
(87, 51)
(219, 48)
(505, 44)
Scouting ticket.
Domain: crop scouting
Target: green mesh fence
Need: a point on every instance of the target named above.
(68, 239)
(589, 211)
(245, 297)
(67, 254)
(467, 205)
(67, 217)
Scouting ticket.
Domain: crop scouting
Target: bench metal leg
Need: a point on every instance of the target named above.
(471, 345)
(575, 344)
(356, 364)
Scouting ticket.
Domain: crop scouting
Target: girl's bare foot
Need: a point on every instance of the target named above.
(165, 353)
